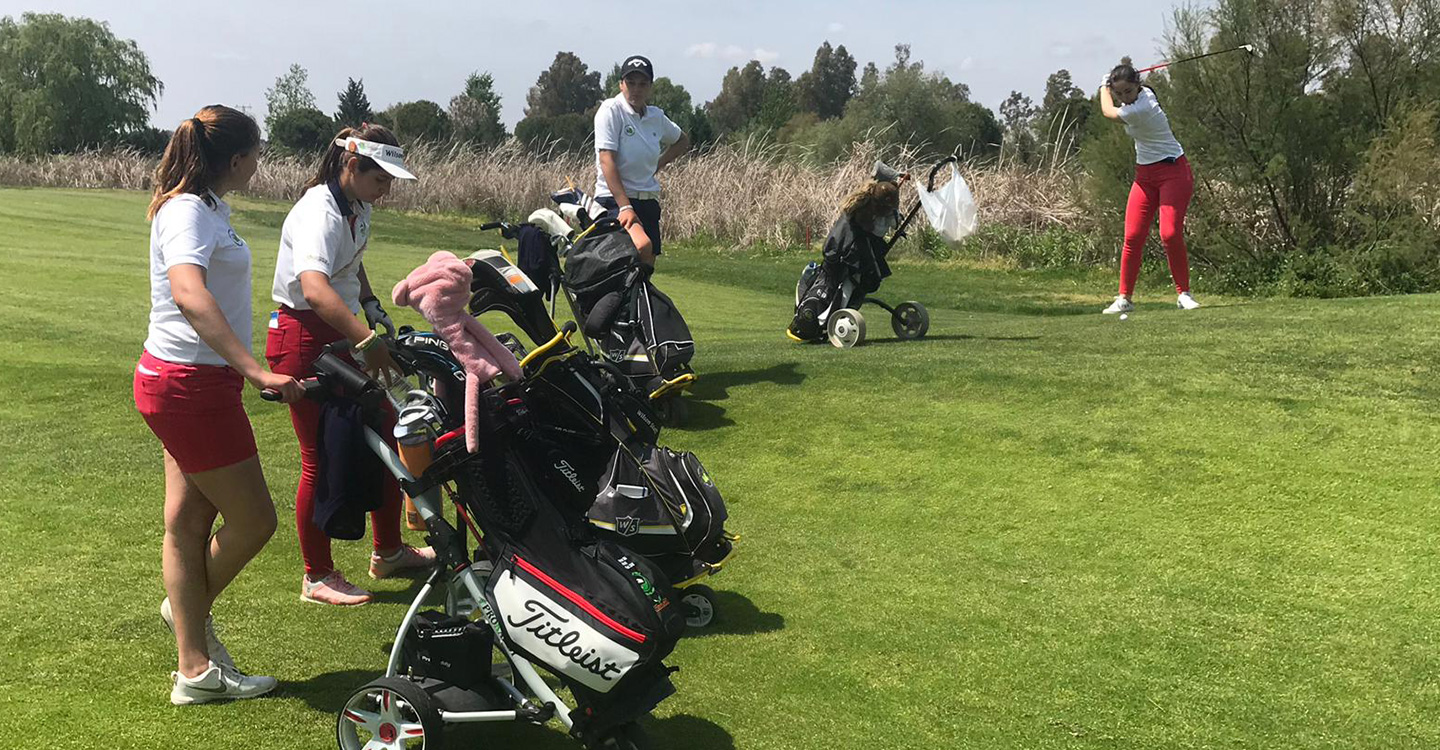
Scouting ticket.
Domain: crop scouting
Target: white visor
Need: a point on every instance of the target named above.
(390, 158)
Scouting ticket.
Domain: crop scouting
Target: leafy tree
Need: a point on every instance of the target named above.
(1064, 110)
(475, 113)
(565, 133)
(567, 87)
(302, 130)
(291, 92)
(69, 83)
(908, 105)
(827, 87)
(742, 93)
(354, 105)
(751, 100)
(1017, 115)
(420, 120)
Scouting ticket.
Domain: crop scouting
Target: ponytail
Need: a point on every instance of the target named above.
(333, 161)
(199, 152)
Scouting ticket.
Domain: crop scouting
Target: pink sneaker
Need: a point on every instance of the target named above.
(333, 589)
(407, 557)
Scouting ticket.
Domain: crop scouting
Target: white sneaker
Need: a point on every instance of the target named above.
(1120, 305)
(217, 683)
(218, 653)
(1186, 302)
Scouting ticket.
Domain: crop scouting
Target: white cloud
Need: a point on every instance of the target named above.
(967, 64)
(730, 53)
(704, 50)
(835, 27)
(1061, 50)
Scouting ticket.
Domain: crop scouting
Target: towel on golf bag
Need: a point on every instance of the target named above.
(662, 502)
(351, 478)
(536, 257)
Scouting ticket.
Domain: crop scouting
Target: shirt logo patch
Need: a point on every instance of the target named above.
(629, 130)
(236, 238)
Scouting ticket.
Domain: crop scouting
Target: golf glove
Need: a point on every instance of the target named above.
(376, 316)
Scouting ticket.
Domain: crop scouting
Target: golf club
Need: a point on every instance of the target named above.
(1248, 48)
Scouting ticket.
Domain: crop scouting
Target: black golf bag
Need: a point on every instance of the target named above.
(635, 325)
(852, 266)
(598, 615)
(663, 504)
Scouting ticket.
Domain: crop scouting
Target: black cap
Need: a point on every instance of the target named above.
(637, 62)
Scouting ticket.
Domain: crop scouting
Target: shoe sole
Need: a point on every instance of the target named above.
(190, 700)
(362, 603)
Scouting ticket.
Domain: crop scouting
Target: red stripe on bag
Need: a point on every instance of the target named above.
(579, 601)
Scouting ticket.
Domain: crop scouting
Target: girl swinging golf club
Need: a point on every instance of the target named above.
(1163, 184)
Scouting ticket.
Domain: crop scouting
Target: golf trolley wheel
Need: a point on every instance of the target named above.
(699, 603)
(846, 328)
(625, 737)
(910, 320)
(391, 713)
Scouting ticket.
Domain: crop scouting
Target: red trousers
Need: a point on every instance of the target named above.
(1162, 188)
(291, 347)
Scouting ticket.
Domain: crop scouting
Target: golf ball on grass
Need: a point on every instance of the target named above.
(1124, 316)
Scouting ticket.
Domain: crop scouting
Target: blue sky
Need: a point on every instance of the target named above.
(207, 52)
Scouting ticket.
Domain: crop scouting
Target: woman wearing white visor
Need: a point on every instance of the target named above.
(320, 285)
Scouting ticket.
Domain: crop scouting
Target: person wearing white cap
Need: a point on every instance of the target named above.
(320, 285)
(633, 142)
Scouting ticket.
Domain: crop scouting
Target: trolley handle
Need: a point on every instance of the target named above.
(507, 230)
(312, 387)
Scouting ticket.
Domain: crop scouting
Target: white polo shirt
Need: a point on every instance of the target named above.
(324, 232)
(188, 230)
(1146, 122)
(637, 142)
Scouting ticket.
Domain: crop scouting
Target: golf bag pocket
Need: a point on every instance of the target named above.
(666, 336)
(658, 503)
(814, 294)
(599, 265)
(595, 616)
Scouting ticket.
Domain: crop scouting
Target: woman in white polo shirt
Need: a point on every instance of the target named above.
(1163, 184)
(320, 285)
(187, 387)
(633, 142)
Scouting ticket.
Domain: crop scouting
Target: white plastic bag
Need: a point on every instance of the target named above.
(952, 210)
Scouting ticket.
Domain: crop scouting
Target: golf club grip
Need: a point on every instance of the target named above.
(489, 225)
(270, 394)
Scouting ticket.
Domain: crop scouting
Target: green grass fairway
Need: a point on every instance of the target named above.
(1037, 528)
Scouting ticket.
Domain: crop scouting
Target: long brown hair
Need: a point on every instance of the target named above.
(200, 150)
(335, 158)
(873, 200)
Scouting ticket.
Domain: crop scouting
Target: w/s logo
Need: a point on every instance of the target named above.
(627, 526)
